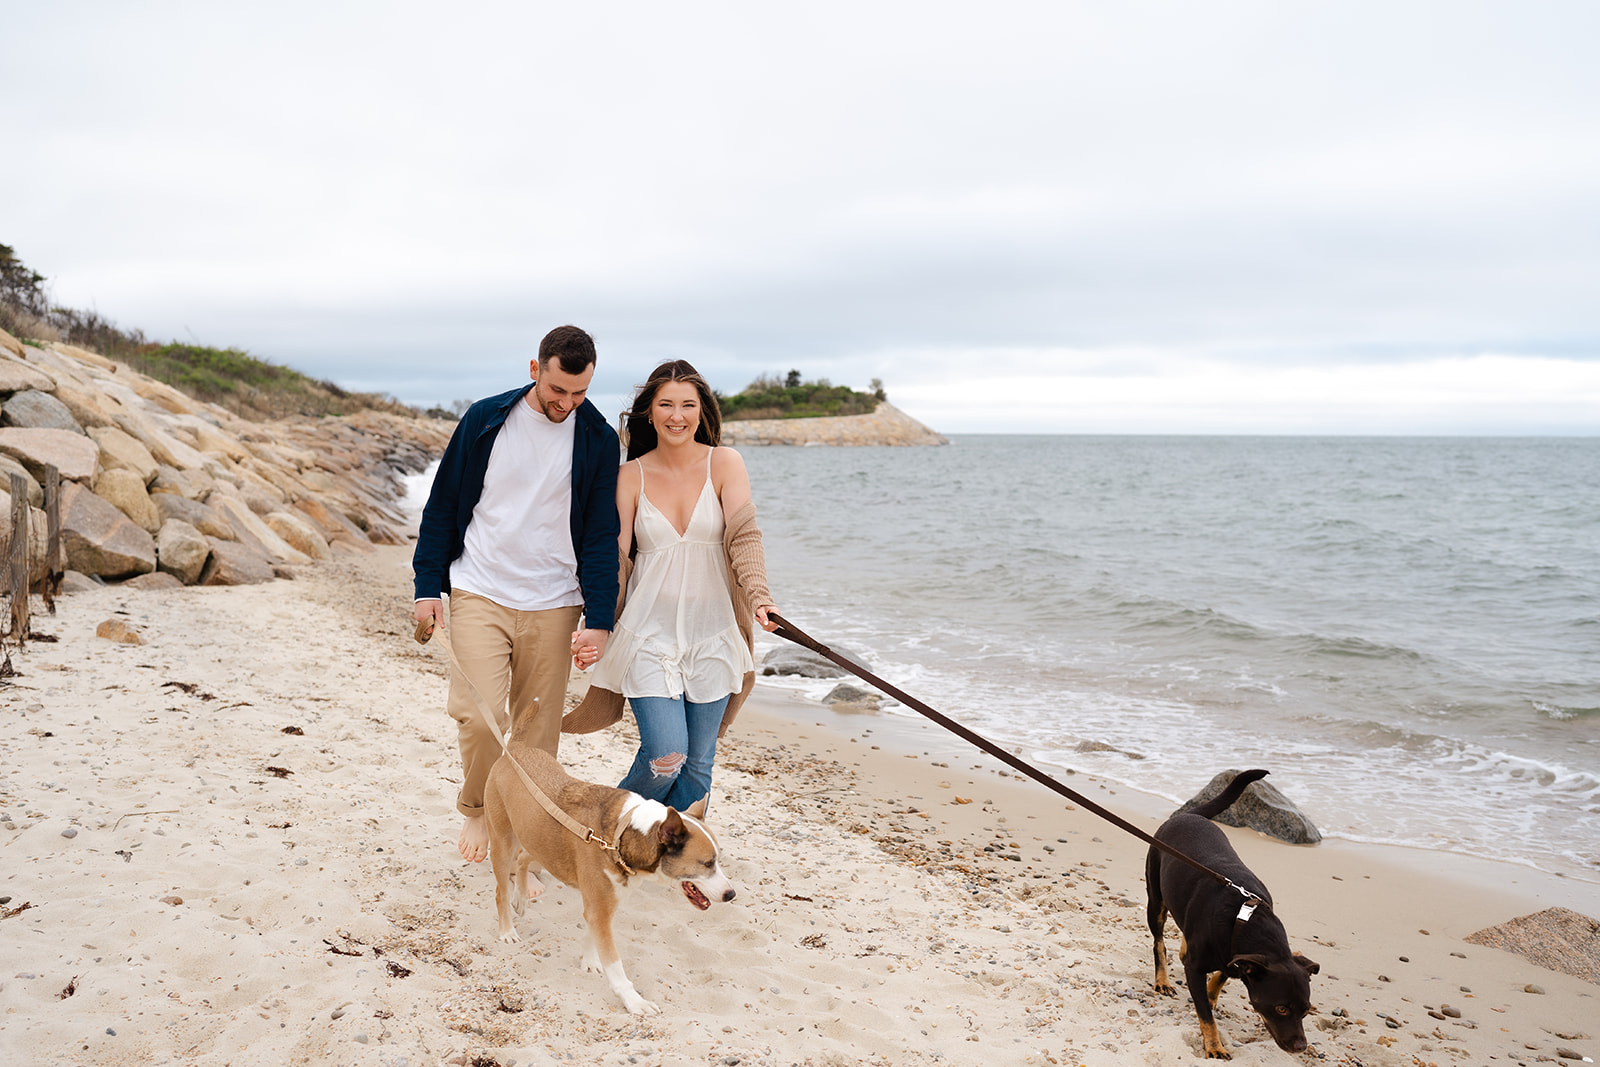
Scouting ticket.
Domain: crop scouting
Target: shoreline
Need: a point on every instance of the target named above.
(896, 905)
(909, 733)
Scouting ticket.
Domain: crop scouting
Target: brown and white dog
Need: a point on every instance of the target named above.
(651, 839)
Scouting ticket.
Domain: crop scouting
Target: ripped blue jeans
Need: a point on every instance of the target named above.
(677, 745)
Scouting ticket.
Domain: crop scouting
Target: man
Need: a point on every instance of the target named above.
(521, 531)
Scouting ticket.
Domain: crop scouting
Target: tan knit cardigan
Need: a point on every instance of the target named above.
(747, 578)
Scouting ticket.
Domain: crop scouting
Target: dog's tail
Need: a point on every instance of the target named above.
(1223, 800)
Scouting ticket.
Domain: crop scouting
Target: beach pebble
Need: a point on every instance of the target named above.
(361, 1038)
(118, 631)
(174, 901)
(69, 832)
(1532, 988)
(1569, 1054)
(1449, 1012)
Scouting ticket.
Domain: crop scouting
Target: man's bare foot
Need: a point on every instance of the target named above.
(474, 843)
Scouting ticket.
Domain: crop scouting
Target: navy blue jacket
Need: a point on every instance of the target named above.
(459, 483)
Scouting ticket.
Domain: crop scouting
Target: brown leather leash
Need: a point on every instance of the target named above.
(425, 630)
(790, 632)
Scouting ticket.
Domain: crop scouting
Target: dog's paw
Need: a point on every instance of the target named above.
(637, 1005)
(1166, 989)
(509, 936)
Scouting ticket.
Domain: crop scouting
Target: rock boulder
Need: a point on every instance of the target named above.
(73, 454)
(1261, 808)
(796, 660)
(33, 409)
(235, 563)
(125, 489)
(99, 539)
(181, 551)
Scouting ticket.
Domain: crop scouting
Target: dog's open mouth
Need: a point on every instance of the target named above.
(697, 898)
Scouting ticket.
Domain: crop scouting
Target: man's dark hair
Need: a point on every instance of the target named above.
(570, 347)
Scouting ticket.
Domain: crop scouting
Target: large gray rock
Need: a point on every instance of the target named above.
(200, 516)
(181, 551)
(100, 539)
(8, 467)
(235, 563)
(125, 490)
(801, 661)
(37, 410)
(1262, 808)
(73, 454)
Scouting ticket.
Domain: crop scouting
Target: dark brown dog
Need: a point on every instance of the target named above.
(1213, 940)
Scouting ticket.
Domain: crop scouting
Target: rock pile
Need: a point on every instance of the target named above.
(162, 489)
(888, 425)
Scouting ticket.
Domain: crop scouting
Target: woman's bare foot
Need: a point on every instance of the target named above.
(474, 843)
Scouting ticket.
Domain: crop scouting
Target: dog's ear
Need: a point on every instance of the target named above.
(1311, 966)
(671, 832)
(1246, 967)
(698, 808)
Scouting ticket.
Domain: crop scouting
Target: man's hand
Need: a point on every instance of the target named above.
(587, 647)
(429, 614)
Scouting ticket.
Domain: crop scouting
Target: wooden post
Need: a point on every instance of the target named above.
(54, 571)
(17, 564)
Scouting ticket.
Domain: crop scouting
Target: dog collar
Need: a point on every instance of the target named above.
(628, 807)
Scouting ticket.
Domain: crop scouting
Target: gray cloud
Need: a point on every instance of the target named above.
(404, 200)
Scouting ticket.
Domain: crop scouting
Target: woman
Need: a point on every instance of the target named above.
(681, 650)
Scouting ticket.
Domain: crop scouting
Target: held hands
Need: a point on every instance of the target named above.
(587, 647)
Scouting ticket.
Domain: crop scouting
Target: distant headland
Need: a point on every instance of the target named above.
(887, 425)
(788, 411)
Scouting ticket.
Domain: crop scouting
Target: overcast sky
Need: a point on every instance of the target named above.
(1125, 217)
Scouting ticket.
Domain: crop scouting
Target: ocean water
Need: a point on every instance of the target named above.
(1405, 631)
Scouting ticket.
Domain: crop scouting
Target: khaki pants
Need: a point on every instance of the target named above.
(523, 655)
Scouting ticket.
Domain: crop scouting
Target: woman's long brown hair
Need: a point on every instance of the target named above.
(639, 437)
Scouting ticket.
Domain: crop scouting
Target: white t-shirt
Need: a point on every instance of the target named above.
(518, 547)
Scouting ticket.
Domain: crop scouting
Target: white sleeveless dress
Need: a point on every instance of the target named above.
(677, 633)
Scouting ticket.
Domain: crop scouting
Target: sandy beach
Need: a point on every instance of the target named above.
(234, 843)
